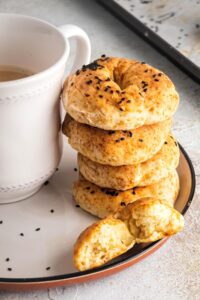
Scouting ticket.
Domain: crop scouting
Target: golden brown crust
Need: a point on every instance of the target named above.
(102, 202)
(99, 243)
(119, 94)
(127, 177)
(145, 220)
(116, 148)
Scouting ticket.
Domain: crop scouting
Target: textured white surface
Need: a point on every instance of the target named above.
(173, 272)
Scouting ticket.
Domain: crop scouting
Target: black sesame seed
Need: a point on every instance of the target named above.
(154, 75)
(52, 211)
(130, 133)
(77, 205)
(108, 79)
(72, 84)
(111, 132)
(48, 268)
(1, 222)
(75, 169)
(89, 81)
(100, 96)
(145, 71)
(46, 182)
(123, 204)
(121, 109)
(111, 91)
(140, 94)
(133, 192)
(57, 169)
(156, 79)
(37, 229)
(103, 55)
(165, 143)
(88, 188)
(140, 140)
(78, 72)
(159, 74)
(21, 234)
(97, 88)
(117, 91)
(143, 63)
(175, 143)
(117, 141)
(106, 89)
(122, 138)
(123, 93)
(7, 259)
(87, 95)
(9, 269)
(92, 192)
(128, 101)
(145, 90)
(96, 77)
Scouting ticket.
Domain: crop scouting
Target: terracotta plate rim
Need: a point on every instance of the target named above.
(123, 261)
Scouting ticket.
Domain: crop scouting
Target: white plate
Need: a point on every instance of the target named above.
(37, 234)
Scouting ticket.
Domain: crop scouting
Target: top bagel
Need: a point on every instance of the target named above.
(120, 94)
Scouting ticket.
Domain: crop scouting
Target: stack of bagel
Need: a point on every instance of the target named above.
(119, 118)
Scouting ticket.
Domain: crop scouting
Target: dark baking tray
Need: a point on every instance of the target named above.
(153, 39)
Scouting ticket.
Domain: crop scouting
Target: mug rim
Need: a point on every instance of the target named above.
(44, 72)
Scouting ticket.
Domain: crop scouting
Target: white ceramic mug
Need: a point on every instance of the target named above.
(30, 137)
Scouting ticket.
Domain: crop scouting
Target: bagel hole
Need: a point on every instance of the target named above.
(117, 79)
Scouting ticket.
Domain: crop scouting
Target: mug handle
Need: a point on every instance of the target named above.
(83, 46)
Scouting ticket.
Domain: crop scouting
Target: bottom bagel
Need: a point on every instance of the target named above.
(102, 202)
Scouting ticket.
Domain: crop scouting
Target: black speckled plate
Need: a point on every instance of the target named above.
(37, 234)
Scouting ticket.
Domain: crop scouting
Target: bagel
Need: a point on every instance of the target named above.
(143, 221)
(116, 148)
(101, 201)
(119, 94)
(130, 176)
